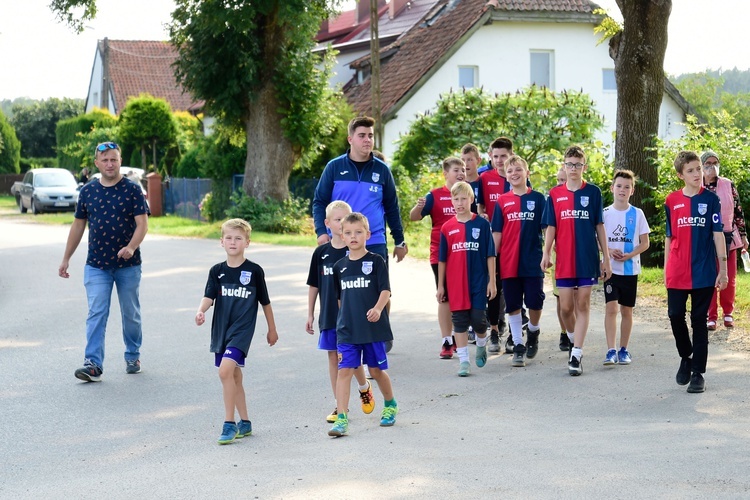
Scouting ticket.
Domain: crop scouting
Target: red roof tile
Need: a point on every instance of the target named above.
(407, 60)
(144, 66)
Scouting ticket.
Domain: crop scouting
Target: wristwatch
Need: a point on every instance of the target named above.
(401, 245)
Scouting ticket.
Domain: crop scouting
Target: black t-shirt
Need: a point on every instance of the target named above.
(236, 292)
(321, 277)
(358, 286)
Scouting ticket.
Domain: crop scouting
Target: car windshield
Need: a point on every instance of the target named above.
(54, 179)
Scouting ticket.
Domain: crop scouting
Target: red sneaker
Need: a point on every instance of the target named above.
(711, 325)
(728, 321)
(447, 351)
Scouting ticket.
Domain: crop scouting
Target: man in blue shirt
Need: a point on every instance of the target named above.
(117, 215)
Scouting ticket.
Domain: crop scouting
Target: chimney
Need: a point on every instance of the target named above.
(363, 11)
(396, 6)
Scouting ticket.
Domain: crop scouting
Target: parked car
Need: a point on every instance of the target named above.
(46, 190)
(135, 174)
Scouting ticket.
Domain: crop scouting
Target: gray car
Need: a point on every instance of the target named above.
(47, 190)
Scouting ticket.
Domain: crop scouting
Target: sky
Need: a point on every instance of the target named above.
(41, 58)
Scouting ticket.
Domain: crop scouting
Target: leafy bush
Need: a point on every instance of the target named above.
(10, 148)
(288, 216)
(29, 163)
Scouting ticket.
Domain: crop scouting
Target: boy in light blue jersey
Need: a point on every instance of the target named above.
(627, 237)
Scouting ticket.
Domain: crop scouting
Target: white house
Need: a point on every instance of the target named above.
(500, 45)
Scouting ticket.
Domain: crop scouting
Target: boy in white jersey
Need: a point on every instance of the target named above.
(627, 237)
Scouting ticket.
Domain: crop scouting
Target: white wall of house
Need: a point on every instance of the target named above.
(342, 73)
(94, 98)
(501, 54)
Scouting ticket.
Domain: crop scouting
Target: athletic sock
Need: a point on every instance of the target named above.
(390, 402)
(463, 354)
(448, 339)
(533, 328)
(571, 337)
(577, 352)
(481, 341)
(363, 388)
(516, 328)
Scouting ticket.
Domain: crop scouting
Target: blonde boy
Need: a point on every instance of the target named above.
(320, 283)
(362, 326)
(235, 287)
(465, 270)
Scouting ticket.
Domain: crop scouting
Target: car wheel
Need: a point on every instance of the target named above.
(21, 208)
(35, 208)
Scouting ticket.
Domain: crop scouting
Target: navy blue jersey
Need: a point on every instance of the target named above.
(575, 215)
(370, 191)
(475, 187)
(358, 285)
(465, 247)
(519, 220)
(691, 222)
(321, 277)
(111, 212)
(236, 292)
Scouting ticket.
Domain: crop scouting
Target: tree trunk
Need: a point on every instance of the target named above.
(270, 155)
(638, 52)
(143, 157)
(153, 149)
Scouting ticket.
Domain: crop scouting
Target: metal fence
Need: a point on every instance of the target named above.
(183, 196)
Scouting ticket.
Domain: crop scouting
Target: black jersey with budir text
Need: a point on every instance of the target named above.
(358, 286)
(321, 277)
(236, 292)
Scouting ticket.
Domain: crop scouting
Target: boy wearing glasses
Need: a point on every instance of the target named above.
(117, 216)
(575, 226)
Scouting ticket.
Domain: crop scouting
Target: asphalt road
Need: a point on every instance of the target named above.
(533, 432)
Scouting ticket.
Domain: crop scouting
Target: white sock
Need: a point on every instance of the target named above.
(363, 388)
(533, 328)
(571, 337)
(463, 354)
(577, 352)
(481, 341)
(515, 323)
(448, 339)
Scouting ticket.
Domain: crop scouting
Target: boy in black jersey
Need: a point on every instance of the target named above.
(236, 287)
(362, 327)
(321, 282)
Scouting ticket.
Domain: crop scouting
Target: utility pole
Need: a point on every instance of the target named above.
(375, 74)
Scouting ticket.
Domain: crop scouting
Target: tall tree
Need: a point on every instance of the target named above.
(35, 124)
(10, 148)
(252, 64)
(638, 52)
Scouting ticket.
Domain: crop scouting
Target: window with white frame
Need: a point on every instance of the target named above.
(467, 76)
(541, 64)
(608, 80)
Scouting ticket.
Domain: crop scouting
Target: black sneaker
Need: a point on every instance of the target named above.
(564, 342)
(509, 345)
(575, 367)
(494, 342)
(683, 374)
(697, 384)
(518, 353)
(532, 343)
(133, 366)
(90, 373)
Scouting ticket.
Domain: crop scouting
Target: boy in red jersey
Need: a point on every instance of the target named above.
(467, 255)
(517, 232)
(438, 205)
(694, 240)
(575, 226)
(492, 184)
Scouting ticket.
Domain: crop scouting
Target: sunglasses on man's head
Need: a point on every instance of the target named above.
(106, 145)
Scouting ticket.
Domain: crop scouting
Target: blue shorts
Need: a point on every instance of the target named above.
(518, 291)
(372, 355)
(327, 340)
(575, 282)
(232, 353)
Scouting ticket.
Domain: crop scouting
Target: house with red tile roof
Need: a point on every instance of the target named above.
(128, 68)
(501, 46)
